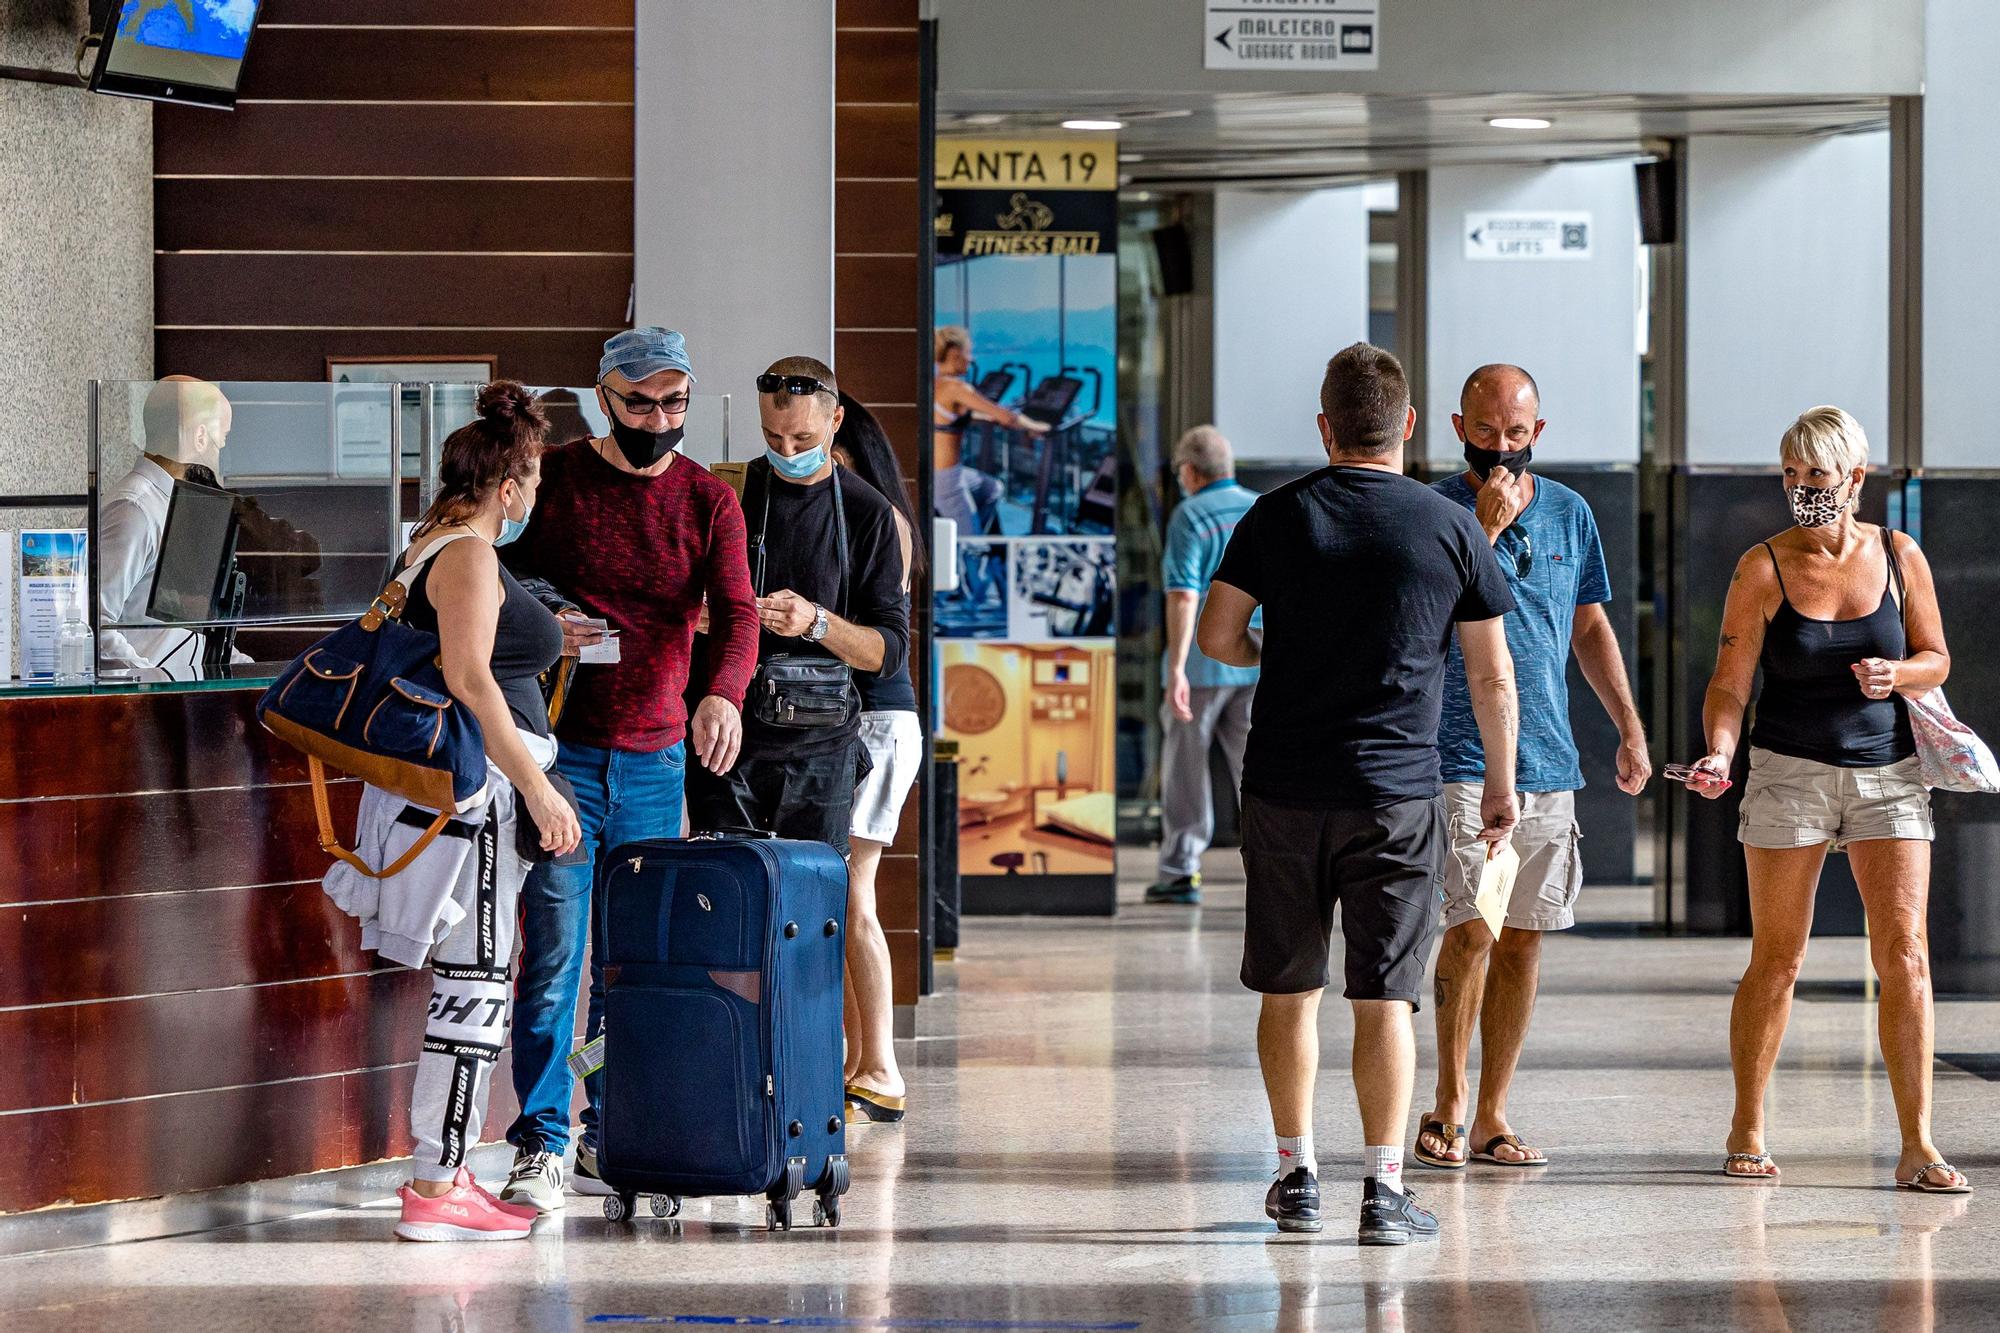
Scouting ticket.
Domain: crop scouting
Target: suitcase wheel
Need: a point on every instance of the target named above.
(666, 1205)
(619, 1207)
(836, 1178)
(826, 1210)
(778, 1214)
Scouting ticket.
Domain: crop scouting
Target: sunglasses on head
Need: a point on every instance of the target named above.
(799, 386)
(639, 405)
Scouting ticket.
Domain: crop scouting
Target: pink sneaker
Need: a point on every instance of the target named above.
(466, 1212)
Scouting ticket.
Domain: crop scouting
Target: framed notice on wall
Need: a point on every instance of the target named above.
(361, 419)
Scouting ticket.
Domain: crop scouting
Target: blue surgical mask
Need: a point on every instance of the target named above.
(510, 528)
(798, 466)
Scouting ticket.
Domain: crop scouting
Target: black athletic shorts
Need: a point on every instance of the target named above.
(1382, 864)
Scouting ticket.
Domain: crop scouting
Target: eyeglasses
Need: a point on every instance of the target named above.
(799, 386)
(1524, 557)
(639, 405)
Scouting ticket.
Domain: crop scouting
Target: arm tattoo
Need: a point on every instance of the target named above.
(1729, 641)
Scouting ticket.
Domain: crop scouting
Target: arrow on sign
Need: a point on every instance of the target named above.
(1477, 232)
(1222, 40)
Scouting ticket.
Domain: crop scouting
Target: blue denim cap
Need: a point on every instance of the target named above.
(637, 353)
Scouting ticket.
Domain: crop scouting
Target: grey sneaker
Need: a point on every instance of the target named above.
(537, 1180)
(583, 1178)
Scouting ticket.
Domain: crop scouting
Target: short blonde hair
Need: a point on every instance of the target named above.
(947, 337)
(1826, 438)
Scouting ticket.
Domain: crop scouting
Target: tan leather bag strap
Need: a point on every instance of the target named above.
(330, 843)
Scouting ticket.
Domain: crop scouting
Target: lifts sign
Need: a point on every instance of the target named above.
(1027, 197)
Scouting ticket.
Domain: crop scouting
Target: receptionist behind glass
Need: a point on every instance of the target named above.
(186, 423)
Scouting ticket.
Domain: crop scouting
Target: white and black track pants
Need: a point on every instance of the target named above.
(470, 998)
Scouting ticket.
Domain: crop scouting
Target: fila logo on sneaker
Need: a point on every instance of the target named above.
(455, 1210)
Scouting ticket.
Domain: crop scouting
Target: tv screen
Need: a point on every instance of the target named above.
(175, 50)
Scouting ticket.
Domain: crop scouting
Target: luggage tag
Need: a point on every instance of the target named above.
(587, 1059)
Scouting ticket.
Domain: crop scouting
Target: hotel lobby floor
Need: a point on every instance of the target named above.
(1087, 1148)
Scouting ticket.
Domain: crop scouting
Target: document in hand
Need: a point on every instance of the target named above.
(1496, 885)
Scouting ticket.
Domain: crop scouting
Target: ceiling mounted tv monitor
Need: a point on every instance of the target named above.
(174, 50)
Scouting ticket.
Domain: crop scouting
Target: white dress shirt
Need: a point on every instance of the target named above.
(131, 519)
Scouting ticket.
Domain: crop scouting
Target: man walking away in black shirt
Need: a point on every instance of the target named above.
(827, 566)
(1362, 573)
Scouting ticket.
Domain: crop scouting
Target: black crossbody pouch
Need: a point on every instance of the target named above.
(803, 691)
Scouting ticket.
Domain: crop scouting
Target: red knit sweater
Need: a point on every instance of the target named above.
(640, 552)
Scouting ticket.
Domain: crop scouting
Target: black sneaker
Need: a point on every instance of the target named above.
(1389, 1218)
(1186, 891)
(1293, 1202)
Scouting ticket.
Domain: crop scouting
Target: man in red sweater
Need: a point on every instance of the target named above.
(637, 535)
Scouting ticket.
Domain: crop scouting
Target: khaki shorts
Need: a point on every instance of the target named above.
(1792, 802)
(1546, 839)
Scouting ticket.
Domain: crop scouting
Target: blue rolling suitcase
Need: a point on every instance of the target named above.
(724, 961)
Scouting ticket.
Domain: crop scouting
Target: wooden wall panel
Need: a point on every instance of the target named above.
(433, 218)
(205, 1140)
(474, 291)
(457, 62)
(881, 216)
(449, 139)
(484, 162)
(869, 218)
(115, 845)
(546, 357)
(877, 291)
(453, 13)
(161, 1044)
(878, 363)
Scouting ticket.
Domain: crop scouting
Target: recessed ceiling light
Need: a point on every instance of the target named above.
(1519, 123)
(982, 118)
(1093, 124)
(1131, 157)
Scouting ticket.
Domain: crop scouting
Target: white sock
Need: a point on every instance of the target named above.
(1385, 1164)
(1294, 1153)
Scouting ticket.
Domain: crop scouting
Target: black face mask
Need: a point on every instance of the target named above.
(1483, 461)
(643, 448)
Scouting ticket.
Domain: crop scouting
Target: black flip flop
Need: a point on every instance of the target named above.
(1513, 1141)
(1450, 1133)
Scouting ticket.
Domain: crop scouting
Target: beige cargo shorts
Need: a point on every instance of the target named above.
(1546, 839)
(1792, 802)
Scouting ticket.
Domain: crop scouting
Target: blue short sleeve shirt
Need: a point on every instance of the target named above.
(1197, 535)
(1557, 535)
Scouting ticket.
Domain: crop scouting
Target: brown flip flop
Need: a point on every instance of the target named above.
(1536, 1156)
(1445, 1130)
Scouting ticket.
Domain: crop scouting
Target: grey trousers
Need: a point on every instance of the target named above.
(1187, 797)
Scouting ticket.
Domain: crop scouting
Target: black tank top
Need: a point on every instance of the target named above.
(1810, 706)
(526, 642)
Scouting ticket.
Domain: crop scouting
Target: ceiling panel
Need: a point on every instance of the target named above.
(1289, 140)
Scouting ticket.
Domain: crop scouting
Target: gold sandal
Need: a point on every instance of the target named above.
(868, 1104)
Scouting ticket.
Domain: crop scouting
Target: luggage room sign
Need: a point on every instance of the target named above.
(1291, 34)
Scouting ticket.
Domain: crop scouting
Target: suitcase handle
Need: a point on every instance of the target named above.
(734, 834)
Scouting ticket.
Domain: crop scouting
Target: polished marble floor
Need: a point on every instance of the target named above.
(1087, 1149)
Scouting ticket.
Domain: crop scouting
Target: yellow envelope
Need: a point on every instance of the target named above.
(1496, 886)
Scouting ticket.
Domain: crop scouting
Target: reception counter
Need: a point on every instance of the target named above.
(180, 1006)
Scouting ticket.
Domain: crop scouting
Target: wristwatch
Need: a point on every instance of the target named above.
(818, 630)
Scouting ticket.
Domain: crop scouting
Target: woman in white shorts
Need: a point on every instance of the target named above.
(894, 741)
(1842, 616)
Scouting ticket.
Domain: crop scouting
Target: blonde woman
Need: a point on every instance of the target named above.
(965, 495)
(1842, 617)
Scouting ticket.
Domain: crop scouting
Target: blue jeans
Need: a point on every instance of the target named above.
(621, 796)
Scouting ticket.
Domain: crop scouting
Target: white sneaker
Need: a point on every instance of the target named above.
(536, 1180)
(584, 1179)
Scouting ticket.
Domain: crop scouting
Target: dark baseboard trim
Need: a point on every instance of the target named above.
(1039, 895)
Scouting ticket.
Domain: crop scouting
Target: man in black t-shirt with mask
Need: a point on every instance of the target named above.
(1362, 573)
(827, 567)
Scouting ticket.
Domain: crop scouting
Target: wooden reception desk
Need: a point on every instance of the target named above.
(181, 1008)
